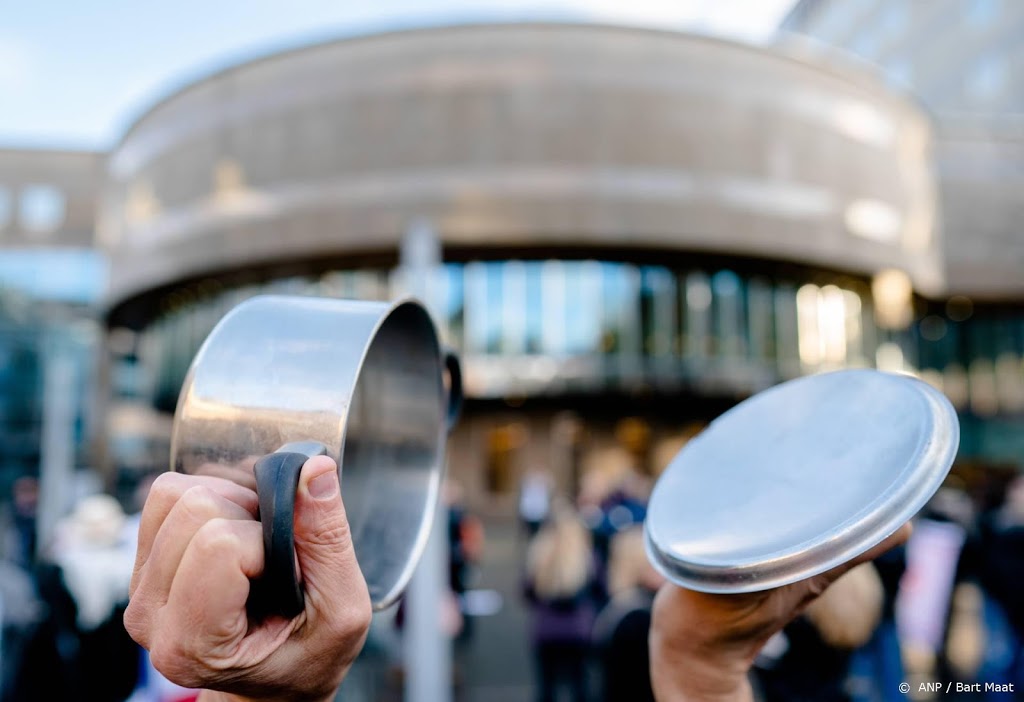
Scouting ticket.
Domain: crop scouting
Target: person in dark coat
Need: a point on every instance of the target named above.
(819, 645)
(622, 628)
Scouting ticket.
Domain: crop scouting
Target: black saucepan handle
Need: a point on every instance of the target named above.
(451, 364)
(279, 591)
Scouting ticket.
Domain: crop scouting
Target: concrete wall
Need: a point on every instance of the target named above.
(69, 179)
(523, 135)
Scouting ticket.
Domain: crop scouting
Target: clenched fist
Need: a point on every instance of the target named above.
(200, 546)
(703, 645)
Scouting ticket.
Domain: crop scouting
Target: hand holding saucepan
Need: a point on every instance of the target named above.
(200, 546)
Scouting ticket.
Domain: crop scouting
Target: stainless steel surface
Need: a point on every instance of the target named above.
(364, 379)
(798, 479)
(309, 448)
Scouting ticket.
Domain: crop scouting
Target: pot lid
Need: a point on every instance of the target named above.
(798, 479)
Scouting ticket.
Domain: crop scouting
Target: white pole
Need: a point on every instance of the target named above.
(428, 653)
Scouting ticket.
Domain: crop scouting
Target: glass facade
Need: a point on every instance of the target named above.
(47, 380)
(595, 325)
(545, 327)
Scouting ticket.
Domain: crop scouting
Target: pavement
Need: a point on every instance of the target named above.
(491, 663)
(495, 664)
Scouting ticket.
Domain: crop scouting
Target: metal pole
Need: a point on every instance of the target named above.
(57, 456)
(428, 653)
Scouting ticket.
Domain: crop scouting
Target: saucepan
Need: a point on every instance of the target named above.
(369, 384)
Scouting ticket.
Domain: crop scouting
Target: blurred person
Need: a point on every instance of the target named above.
(20, 608)
(877, 667)
(200, 544)
(935, 564)
(83, 650)
(96, 563)
(21, 532)
(817, 648)
(560, 589)
(20, 614)
(623, 626)
(465, 538)
(1000, 571)
(535, 490)
(623, 509)
(465, 548)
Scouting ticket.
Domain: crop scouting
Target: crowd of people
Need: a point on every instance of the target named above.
(62, 605)
(946, 606)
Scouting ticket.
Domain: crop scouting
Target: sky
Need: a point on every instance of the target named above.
(73, 74)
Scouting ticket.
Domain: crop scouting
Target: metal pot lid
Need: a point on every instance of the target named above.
(798, 479)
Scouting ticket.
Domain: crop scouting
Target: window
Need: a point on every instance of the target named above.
(513, 307)
(727, 302)
(5, 207)
(760, 320)
(452, 302)
(658, 310)
(621, 309)
(534, 307)
(697, 315)
(41, 209)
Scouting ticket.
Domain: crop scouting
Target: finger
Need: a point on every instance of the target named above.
(194, 508)
(205, 618)
(898, 537)
(335, 589)
(240, 473)
(813, 587)
(166, 491)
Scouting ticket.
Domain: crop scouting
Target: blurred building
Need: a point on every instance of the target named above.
(964, 59)
(51, 280)
(635, 223)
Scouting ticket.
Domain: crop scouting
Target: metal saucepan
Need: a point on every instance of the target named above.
(281, 379)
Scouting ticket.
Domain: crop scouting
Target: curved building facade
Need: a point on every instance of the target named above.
(964, 61)
(633, 222)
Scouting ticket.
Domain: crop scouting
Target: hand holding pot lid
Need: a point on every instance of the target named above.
(799, 479)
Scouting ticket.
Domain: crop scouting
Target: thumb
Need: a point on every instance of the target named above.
(323, 541)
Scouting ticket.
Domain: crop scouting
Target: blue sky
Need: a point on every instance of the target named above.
(73, 73)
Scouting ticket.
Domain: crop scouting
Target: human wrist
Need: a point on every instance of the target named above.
(682, 673)
(218, 696)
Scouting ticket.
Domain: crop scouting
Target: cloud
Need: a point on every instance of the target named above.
(16, 65)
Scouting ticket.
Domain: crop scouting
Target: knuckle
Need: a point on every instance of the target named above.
(198, 501)
(168, 485)
(136, 622)
(173, 660)
(167, 658)
(353, 621)
(216, 538)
